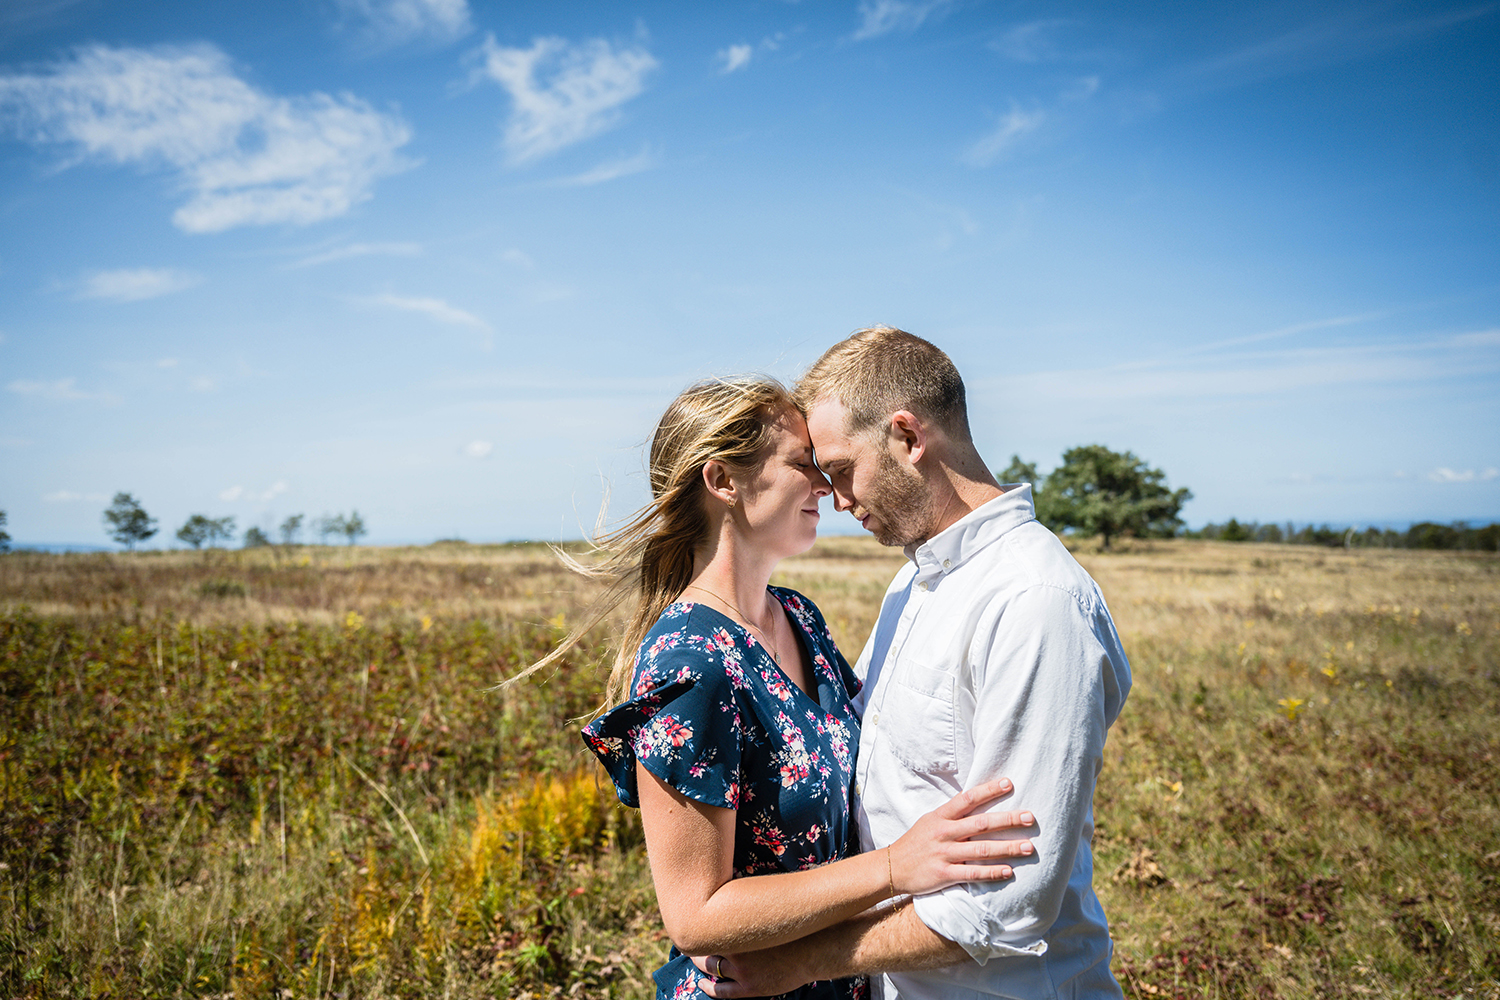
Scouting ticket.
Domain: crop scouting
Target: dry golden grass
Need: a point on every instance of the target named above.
(246, 772)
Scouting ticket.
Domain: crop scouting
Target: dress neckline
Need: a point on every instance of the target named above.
(804, 639)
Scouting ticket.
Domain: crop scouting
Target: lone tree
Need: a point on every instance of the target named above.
(127, 521)
(255, 538)
(290, 529)
(200, 529)
(4, 535)
(1108, 493)
(352, 526)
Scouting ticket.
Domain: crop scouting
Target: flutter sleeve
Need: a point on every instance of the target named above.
(683, 721)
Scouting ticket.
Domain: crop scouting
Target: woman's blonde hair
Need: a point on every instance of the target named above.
(651, 554)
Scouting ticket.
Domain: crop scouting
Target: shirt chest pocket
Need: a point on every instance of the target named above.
(918, 719)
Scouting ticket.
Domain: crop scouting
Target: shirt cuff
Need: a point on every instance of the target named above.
(955, 914)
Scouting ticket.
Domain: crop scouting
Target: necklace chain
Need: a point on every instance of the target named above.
(770, 646)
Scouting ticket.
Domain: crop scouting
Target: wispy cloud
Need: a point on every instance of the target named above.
(135, 284)
(1443, 474)
(60, 390)
(1356, 32)
(361, 250)
(1480, 338)
(562, 93)
(385, 23)
(1012, 127)
(238, 492)
(435, 309)
(610, 170)
(881, 17)
(1031, 42)
(244, 157)
(478, 449)
(734, 57)
(69, 496)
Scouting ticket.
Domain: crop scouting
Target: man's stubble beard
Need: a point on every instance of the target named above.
(899, 502)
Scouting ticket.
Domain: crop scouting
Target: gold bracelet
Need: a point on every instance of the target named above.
(889, 872)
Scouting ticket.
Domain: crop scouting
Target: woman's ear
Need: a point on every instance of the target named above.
(719, 484)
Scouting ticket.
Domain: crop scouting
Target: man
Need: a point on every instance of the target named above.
(994, 654)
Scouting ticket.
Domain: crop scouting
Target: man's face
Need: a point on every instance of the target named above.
(885, 494)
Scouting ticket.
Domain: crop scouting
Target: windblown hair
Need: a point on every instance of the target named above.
(876, 371)
(650, 557)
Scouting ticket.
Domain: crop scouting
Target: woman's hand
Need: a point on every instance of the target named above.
(947, 846)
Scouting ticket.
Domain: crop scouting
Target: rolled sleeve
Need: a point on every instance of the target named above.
(954, 913)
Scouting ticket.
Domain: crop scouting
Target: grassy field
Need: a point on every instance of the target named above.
(281, 774)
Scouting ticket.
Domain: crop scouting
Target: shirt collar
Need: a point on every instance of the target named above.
(962, 539)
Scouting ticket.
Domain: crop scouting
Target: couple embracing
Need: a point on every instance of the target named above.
(917, 826)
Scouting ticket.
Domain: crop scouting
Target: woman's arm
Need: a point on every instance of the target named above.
(706, 910)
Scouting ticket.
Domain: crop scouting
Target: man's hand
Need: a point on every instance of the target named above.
(766, 973)
(893, 940)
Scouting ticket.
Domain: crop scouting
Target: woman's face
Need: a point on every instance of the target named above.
(780, 504)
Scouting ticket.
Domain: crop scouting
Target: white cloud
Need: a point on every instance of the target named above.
(1446, 475)
(435, 308)
(518, 257)
(1011, 129)
(561, 93)
(167, 363)
(1029, 42)
(203, 383)
(244, 157)
(881, 17)
(231, 494)
(735, 57)
(392, 22)
(136, 284)
(1481, 338)
(478, 449)
(610, 170)
(62, 389)
(68, 496)
(361, 250)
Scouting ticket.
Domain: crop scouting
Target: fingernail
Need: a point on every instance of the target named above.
(1006, 872)
(1026, 847)
(1027, 819)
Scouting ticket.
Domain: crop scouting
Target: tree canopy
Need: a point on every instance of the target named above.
(200, 529)
(1102, 492)
(127, 521)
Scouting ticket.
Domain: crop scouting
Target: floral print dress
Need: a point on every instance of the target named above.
(712, 715)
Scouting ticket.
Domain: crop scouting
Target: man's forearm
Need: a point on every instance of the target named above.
(889, 941)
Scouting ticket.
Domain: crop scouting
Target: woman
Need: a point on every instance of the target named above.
(738, 737)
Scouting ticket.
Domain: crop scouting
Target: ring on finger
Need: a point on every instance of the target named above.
(718, 967)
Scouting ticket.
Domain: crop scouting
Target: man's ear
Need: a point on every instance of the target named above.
(716, 479)
(907, 436)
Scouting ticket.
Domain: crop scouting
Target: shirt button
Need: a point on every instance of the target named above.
(858, 789)
(874, 718)
(947, 564)
(922, 585)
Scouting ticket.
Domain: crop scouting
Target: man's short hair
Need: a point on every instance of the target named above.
(876, 371)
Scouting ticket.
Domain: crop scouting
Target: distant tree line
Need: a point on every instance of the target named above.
(127, 523)
(1459, 535)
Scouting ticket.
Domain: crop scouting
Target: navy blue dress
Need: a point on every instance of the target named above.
(712, 715)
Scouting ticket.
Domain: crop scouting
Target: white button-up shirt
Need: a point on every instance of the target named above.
(995, 655)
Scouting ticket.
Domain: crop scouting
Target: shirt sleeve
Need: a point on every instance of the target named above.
(1043, 689)
(683, 724)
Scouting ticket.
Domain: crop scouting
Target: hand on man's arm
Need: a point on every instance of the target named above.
(888, 941)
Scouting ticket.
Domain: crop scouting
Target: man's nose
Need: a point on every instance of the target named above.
(841, 501)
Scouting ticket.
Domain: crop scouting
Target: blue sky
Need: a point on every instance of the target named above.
(445, 262)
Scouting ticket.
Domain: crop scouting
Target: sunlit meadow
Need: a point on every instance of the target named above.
(284, 773)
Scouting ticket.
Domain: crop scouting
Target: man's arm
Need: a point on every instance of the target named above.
(889, 941)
